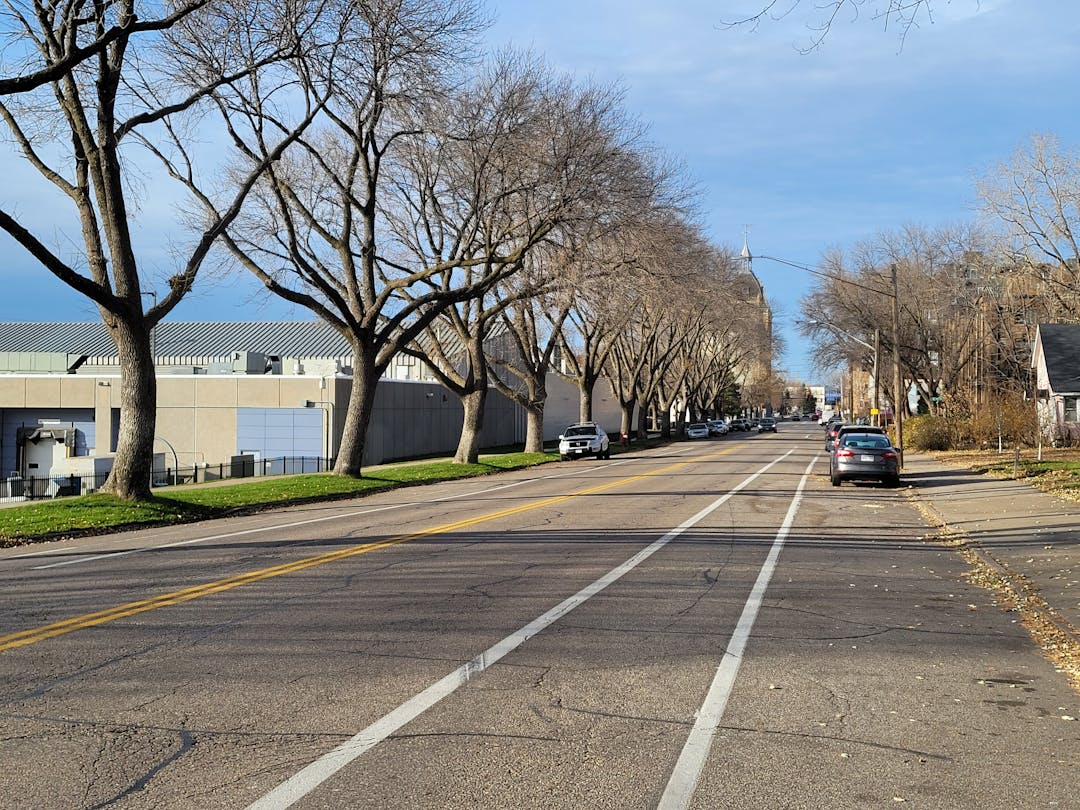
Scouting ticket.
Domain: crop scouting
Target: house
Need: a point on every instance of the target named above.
(1056, 362)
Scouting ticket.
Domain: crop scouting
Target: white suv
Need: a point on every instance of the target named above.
(584, 439)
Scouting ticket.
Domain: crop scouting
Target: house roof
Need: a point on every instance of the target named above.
(182, 338)
(1061, 350)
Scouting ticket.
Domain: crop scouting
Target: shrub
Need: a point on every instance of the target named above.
(927, 432)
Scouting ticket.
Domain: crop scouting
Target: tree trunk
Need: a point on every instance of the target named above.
(358, 416)
(534, 427)
(627, 418)
(585, 403)
(468, 449)
(133, 463)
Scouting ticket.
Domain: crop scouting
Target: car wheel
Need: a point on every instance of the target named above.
(892, 481)
(835, 479)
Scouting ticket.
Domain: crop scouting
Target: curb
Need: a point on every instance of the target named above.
(1055, 635)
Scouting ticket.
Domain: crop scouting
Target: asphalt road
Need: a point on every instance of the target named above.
(709, 625)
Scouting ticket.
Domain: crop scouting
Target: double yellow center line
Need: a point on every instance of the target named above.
(36, 634)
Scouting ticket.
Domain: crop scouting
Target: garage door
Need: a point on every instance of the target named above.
(280, 432)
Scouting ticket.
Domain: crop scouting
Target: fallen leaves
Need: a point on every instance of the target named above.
(1056, 637)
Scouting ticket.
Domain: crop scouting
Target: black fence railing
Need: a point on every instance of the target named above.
(15, 488)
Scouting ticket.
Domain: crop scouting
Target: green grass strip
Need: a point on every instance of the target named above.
(99, 513)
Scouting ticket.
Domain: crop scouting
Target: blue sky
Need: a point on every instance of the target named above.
(811, 151)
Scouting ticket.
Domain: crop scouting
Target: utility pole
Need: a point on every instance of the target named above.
(898, 375)
(877, 379)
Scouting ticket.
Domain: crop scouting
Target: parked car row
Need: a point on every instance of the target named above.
(856, 452)
(860, 453)
(718, 427)
(589, 439)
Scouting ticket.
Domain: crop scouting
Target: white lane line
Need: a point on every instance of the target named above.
(109, 555)
(684, 778)
(310, 777)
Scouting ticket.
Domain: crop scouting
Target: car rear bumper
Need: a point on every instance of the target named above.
(872, 472)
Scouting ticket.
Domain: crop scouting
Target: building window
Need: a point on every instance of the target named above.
(1072, 409)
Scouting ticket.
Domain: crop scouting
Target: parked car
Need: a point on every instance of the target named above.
(717, 427)
(831, 430)
(795, 417)
(584, 439)
(766, 424)
(864, 456)
(697, 430)
(842, 430)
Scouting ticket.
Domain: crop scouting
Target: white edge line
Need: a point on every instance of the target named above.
(311, 776)
(684, 778)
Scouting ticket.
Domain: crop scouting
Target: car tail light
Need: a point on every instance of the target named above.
(843, 452)
(888, 454)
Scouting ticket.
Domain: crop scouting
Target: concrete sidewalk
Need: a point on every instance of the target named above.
(1031, 536)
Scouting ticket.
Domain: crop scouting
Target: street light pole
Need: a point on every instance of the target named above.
(898, 374)
(877, 378)
(897, 371)
(876, 349)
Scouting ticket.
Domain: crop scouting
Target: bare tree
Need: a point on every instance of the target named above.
(606, 174)
(940, 275)
(502, 183)
(315, 235)
(1036, 196)
(48, 40)
(103, 85)
(899, 15)
(643, 220)
(596, 316)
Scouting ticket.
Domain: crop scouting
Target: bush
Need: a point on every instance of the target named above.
(929, 433)
(1010, 419)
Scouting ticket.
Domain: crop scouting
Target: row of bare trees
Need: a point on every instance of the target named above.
(970, 295)
(367, 162)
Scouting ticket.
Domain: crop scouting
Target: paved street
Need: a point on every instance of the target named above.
(707, 625)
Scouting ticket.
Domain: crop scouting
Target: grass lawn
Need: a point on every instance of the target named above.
(98, 513)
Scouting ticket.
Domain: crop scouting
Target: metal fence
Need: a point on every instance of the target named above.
(15, 488)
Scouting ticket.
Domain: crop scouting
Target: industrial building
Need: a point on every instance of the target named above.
(255, 394)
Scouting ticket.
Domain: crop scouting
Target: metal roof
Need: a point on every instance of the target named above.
(182, 338)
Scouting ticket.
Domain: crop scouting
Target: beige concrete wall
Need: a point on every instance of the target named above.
(76, 392)
(13, 392)
(197, 415)
(563, 404)
(106, 397)
(43, 392)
